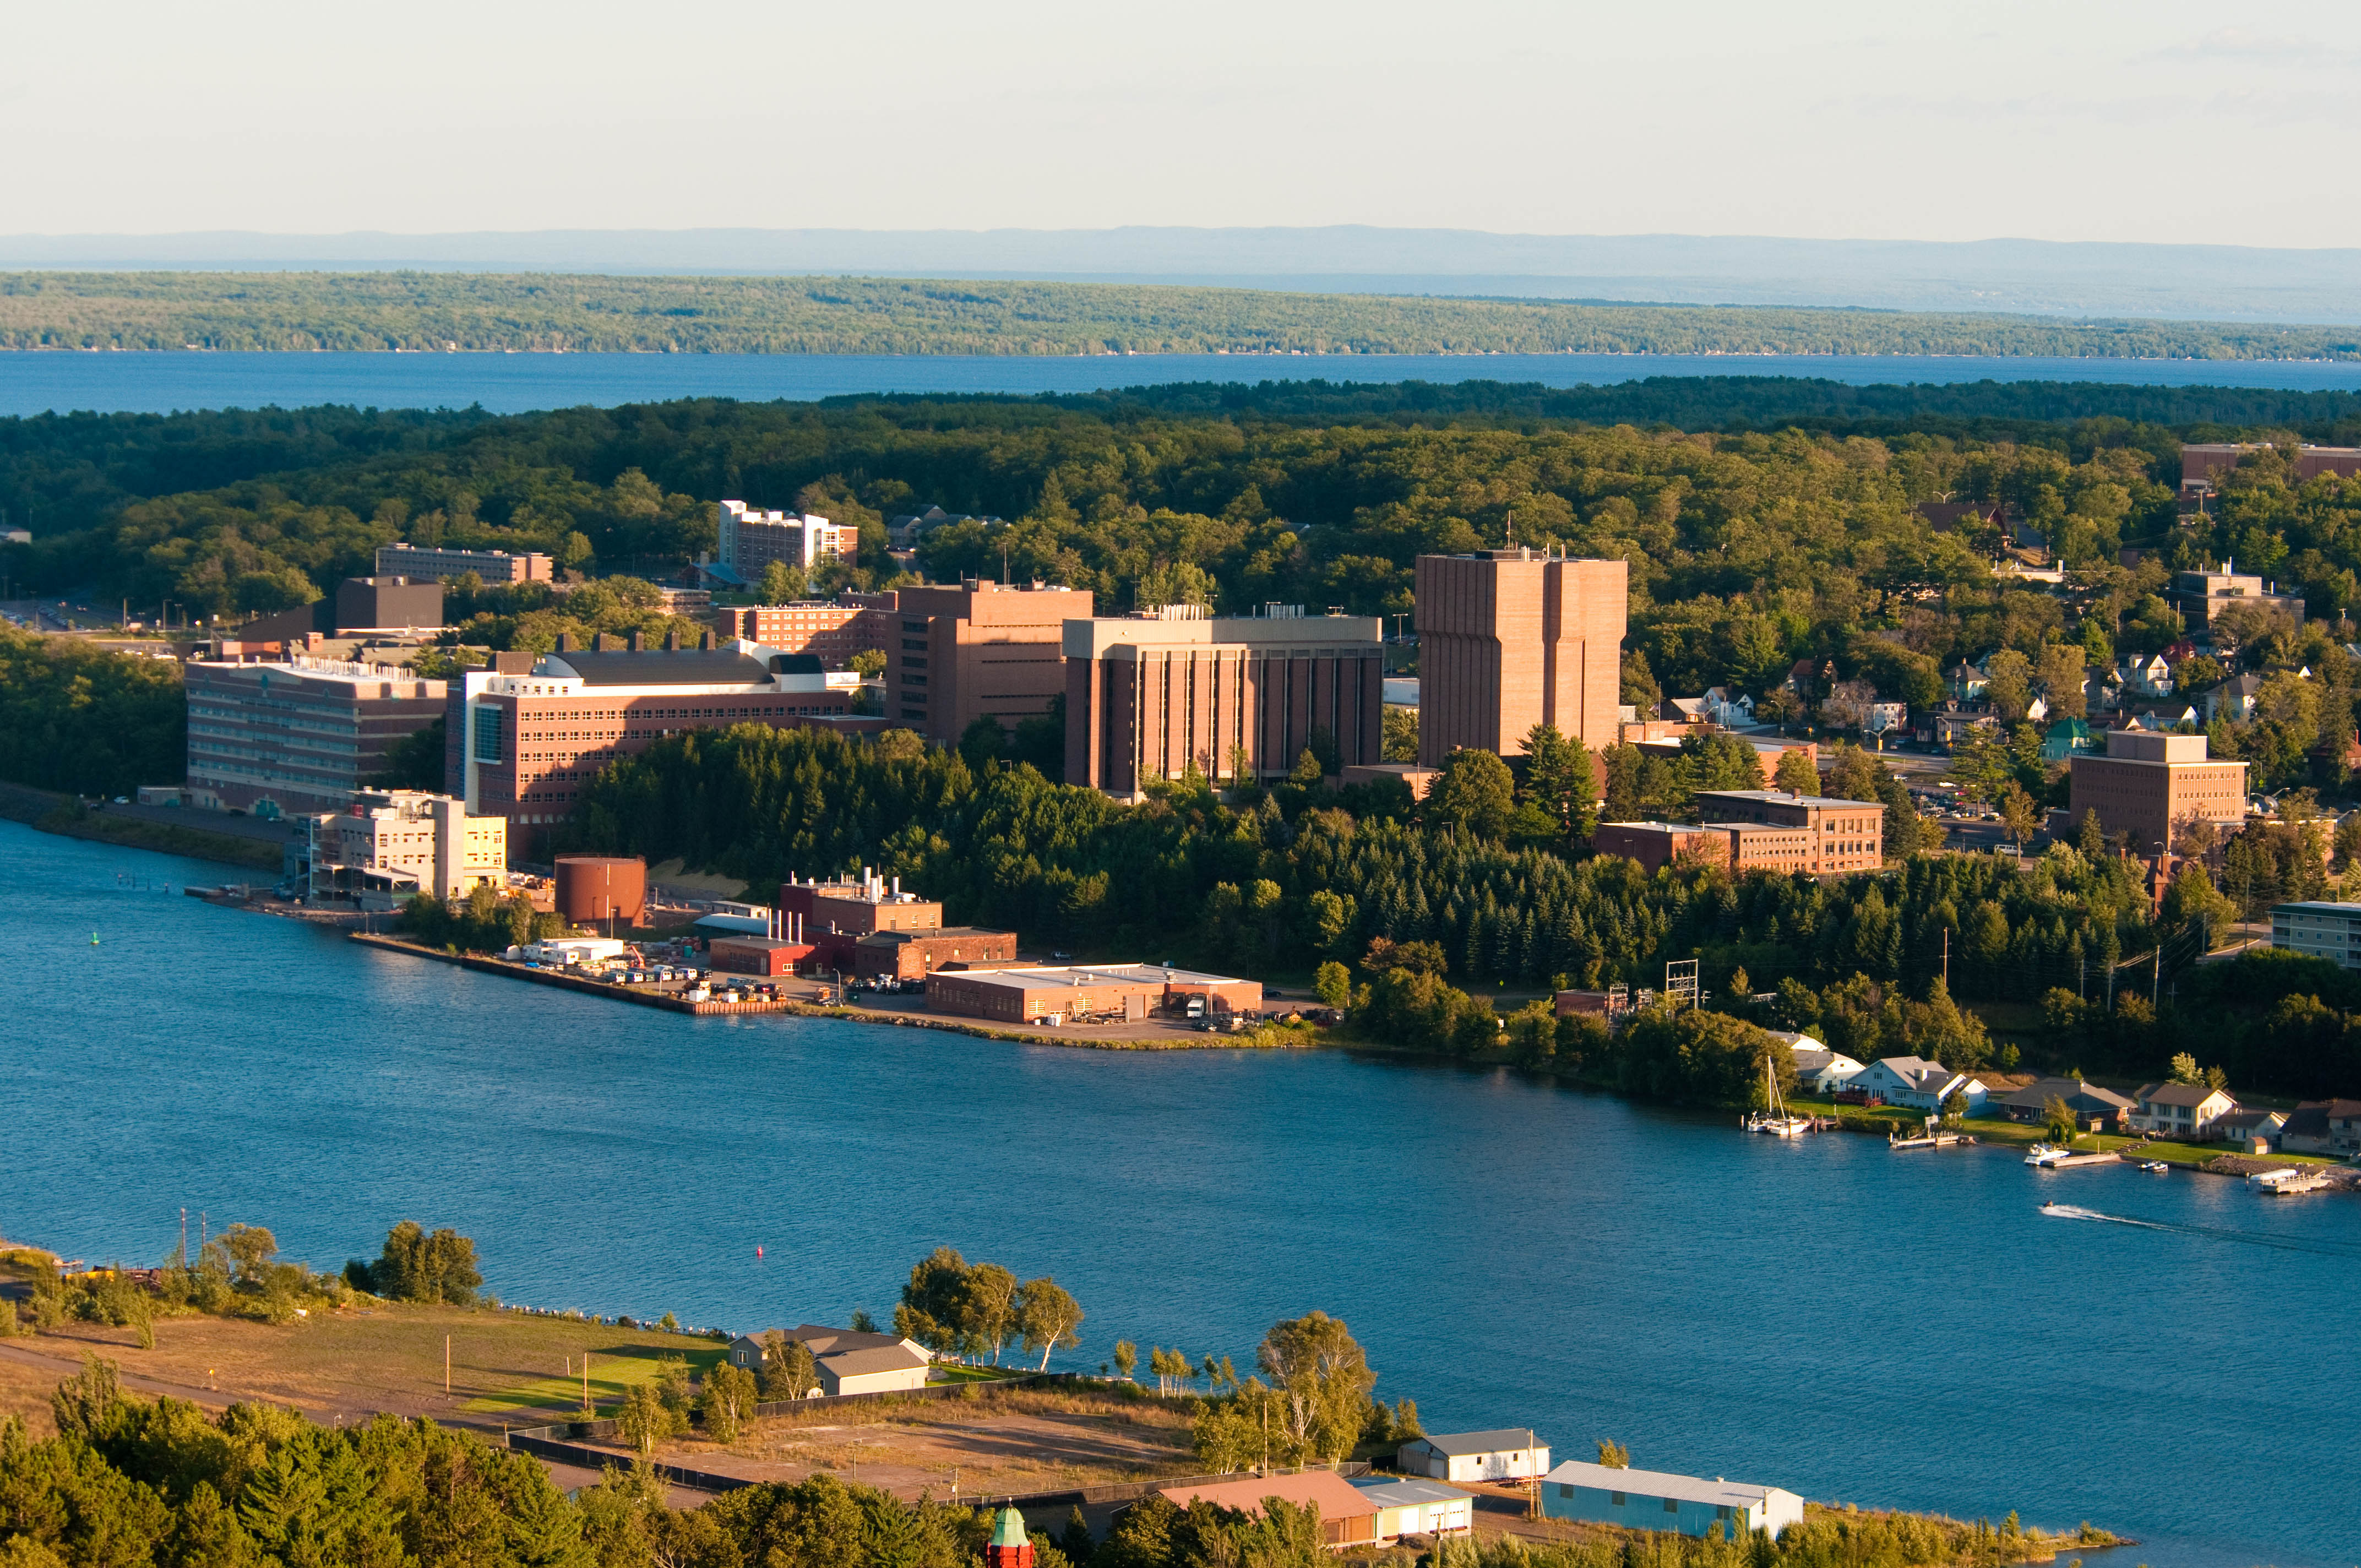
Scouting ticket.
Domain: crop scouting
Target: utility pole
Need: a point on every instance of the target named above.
(1946, 958)
(446, 1366)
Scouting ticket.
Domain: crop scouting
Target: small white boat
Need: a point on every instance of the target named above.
(2156, 1168)
(1775, 1121)
(2046, 1156)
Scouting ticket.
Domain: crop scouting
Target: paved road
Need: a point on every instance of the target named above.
(256, 828)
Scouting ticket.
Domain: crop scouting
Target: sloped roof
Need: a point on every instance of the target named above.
(663, 667)
(1501, 1439)
(1334, 1495)
(1399, 1491)
(1659, 1484)
(2178, 1094)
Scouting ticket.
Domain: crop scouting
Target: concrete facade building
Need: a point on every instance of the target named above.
(1839, 836)
(391, 605)
(979, 649)
(1095, 994)
(2154, 786)
(524, 736)
(421, 562)
(2201, 463)
(2201, 595)
(296, 736)
(1509, 639)
(391, 845)
(1149, 695)
(751, 539)
(2318, 929)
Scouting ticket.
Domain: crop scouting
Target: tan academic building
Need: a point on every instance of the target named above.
(1816, 834)
(955, 654)
(1148, 695)
(2155, 785)
(1741, 845)
(1508, 638)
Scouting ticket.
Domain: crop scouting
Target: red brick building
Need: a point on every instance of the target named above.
(1816, 834)
(979, 649)
(914, 955)
(1509, 639)
(1149, 695)
(833, 629)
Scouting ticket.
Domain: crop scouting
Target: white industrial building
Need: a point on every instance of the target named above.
(1508, 1454)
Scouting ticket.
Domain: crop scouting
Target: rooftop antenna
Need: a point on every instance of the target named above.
(1512, 528)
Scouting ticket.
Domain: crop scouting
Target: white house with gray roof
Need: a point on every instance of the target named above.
(1506, 1455)
(1817, 1068)
(1920, 1084)
(846, 1362)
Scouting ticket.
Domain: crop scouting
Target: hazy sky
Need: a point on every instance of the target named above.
(1832, 118)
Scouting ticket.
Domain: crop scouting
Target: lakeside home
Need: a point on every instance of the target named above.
(1504, 1453)
(1651, 1500)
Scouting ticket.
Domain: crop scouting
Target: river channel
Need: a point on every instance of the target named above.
(1889, 1330)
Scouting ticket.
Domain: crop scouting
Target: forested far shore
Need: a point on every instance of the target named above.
(436, 312)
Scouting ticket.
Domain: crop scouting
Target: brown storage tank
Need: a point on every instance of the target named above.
(591, 887)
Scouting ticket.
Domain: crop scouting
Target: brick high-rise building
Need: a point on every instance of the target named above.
(429, 561)
(1508, 638)
(982, 649)
(2156, 785)
(296, 735)
(1147, 696)
(835, 630)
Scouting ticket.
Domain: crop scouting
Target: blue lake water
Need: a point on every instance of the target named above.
(514, 383)
(1856, 1325)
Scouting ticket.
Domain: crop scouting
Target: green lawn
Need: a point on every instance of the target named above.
(613, 1373)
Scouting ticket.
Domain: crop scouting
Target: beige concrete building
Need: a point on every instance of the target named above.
(288, 736)
(749, 539)
(1509, 639)
(1816, 834)
(2155, 786)
(1148, 695)
(956, 654)
(391, 845)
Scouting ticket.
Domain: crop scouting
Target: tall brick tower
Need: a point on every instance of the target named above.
(1508, 638)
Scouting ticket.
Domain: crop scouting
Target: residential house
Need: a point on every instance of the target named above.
(2064, 739)
(1649, 1499)
(1956, 726)
(1731, 710)
(1348, 1518)
(1922, 1085)
(1805, 676)
(1507, 1453)
(1417, 1506)
(2183, 1111)
(2162, 718)
(2096, 1110)
(2233, 699)
(846, 1362)
(1817, 1068)
(2147, 673)
(2252, 1132)
(1880, 717)
(2323, 1126)
(1965, 682)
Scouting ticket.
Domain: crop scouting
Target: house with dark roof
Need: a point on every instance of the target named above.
(2184, 1111)
(1505, 1453)
(2095, 1109)
(2323, 1126)
(2255, 1132)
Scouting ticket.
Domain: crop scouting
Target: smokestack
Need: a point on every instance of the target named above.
(639, 640)
(898, 887)
(671, 641)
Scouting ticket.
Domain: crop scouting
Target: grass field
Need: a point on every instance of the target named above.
(608, 1374)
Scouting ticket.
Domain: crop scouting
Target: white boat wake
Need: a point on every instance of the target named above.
(2211, 1233)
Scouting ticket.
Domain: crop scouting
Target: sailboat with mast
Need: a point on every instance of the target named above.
(1776, 1121)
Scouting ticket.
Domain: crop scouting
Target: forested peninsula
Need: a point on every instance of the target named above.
(440, 311)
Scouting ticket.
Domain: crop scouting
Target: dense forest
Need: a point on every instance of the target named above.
(572, 312)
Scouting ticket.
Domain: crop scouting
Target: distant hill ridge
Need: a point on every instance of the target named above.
(596, 312)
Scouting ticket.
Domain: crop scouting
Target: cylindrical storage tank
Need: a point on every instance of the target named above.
(591, 887)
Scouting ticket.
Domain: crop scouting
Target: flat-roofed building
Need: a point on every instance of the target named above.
(835, 916)
(976, 649)
(391, 845)
(360, 605)
(296, 736)
(1651, 1500)
(525, 735)
(751, 539)
(2155, 786)
(1508, 638)
(2201, 463)
(914, 955)
(1656, 845)
(2318, 929)
(1092, 993)
(834, 630)
(432, 561)
(1838, 835)
(1148, 696)
(1767, 751)
(2203, 595)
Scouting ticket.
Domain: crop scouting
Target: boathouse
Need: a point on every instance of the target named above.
(1649, 1499)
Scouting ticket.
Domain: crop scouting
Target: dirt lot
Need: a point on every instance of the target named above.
(507, 1368)
(1016, 1440)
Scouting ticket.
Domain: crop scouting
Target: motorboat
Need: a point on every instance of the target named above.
(2047, 1156)
(2156, 1168)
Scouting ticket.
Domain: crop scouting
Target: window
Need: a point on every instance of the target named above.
(1564, 1490)
(914, 646)
(487, 735)
(1672, 1506)
(1616, 1498)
